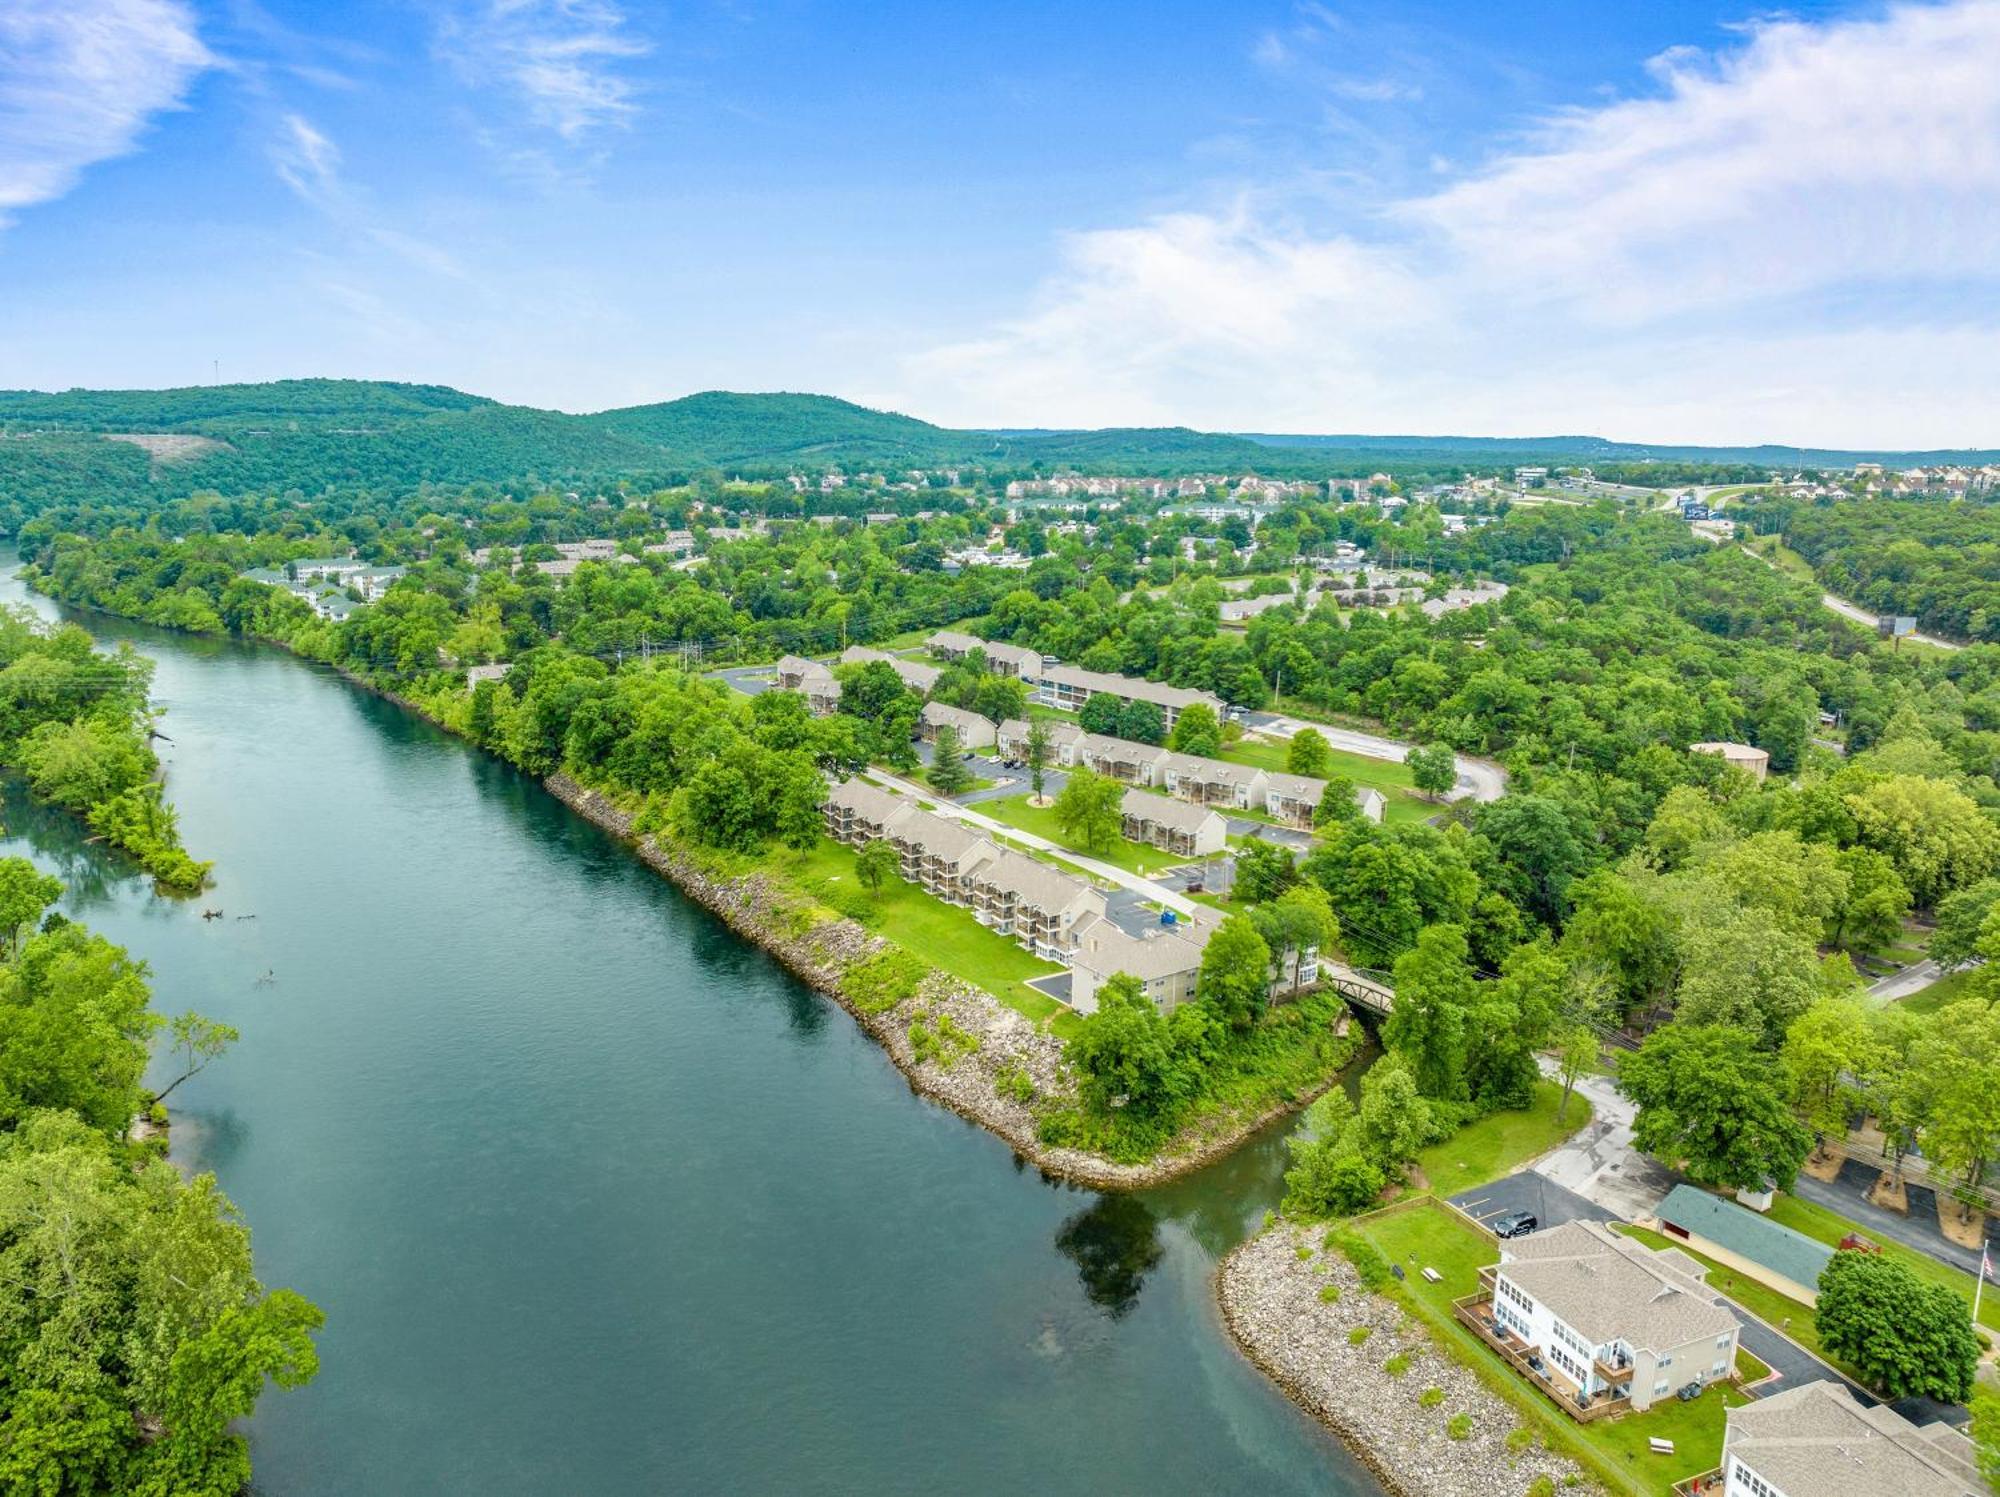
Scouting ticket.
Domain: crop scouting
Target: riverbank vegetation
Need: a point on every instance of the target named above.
(78, 723)
(1625, 888)
(133, 1330)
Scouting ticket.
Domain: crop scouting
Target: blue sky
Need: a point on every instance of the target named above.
(1671, 221)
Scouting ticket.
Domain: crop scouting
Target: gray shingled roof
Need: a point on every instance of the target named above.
(1611, 1288)
(1105, 949)
(868, 801)
(1166, 811)
(1745, 1233)
(1816, 1439)
(1032, 883)
(1124, 750)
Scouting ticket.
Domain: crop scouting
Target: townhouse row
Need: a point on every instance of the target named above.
(1054, 915)
(1067, 686)
(1292, 799)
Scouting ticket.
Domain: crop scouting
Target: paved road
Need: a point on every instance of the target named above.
(1861, 615)
(1478, 779)
(1599, 1162)
(1911, 979)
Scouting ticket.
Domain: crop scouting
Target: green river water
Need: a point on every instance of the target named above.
(596, 1197)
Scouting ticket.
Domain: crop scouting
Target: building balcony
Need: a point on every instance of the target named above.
(1708, 1484)
(1612, 1370)
(1476, 1311)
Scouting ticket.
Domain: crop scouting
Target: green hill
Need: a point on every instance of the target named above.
(724, 428)
(315, 435)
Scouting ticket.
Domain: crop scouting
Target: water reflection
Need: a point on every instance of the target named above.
(93, 873)
(1114, 1243)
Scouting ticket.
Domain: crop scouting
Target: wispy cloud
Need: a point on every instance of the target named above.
(562, 59)
(79, 81)
(1797, 239)
(307, 161)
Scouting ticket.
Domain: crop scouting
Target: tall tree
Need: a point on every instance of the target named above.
(1907, 1337)
(1433, 769)
(1711, 1101)
(1235, 972)
(1087, 810)
(948, 774)
(875, 863)
(1427, 1025)
(1122, 1054)
(1039, 752)
(1309, 754)
(1196, 731)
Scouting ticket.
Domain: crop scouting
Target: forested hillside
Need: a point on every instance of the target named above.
(1935, 559)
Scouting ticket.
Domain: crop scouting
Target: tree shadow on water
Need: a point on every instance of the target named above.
(1115, 1243)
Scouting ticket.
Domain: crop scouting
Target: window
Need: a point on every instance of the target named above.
(1666, 1361)
(1660, 1386)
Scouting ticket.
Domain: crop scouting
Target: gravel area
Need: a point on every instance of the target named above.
(1271, 1301)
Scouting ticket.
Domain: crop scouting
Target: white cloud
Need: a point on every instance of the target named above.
(559, 57)
(1796, 240)
(79, 80)
(308, 162)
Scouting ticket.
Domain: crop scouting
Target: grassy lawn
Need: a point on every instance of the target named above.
(942, 934)
(1133, 857)
(1947, 989)
(1431, 1235)
(1822, 1225)
(1783, 557)
(1385, 775)
(1501, 1141)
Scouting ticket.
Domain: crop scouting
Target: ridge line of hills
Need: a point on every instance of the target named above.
(316, 433)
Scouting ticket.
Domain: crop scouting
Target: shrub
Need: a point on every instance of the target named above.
(1519, 1439)
(1397, 1365)
(1305, 1253)
(1014, 1083)
(884, 980)
(1430, 1398)
(1329, 1294)
(1542, 1486)
(1459, 1427)
(1359, 1335)
(1366, 1258)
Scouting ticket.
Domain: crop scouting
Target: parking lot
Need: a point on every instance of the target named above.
(1549, 1203)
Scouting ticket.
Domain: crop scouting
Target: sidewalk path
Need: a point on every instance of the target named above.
(1145, 887)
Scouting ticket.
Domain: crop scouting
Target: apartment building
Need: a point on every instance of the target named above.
(795, 670)
(1062, 737)
(1167, 962)
(1174, 826)
(1294, 798)
(1816, 1441)
(1037, 905)
(1212, 782)
(1069, 687)
(974, 731)
(1118, 758)
(914, 674)
(1612, 1322)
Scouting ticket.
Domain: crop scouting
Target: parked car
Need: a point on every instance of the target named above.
(1515, 1224)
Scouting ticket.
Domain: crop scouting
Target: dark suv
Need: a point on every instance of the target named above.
(1514, 1224)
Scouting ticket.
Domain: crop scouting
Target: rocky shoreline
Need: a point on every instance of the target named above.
(969, 1084)
(1331, 1358)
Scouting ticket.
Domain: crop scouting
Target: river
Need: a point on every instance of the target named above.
(596, 1197)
